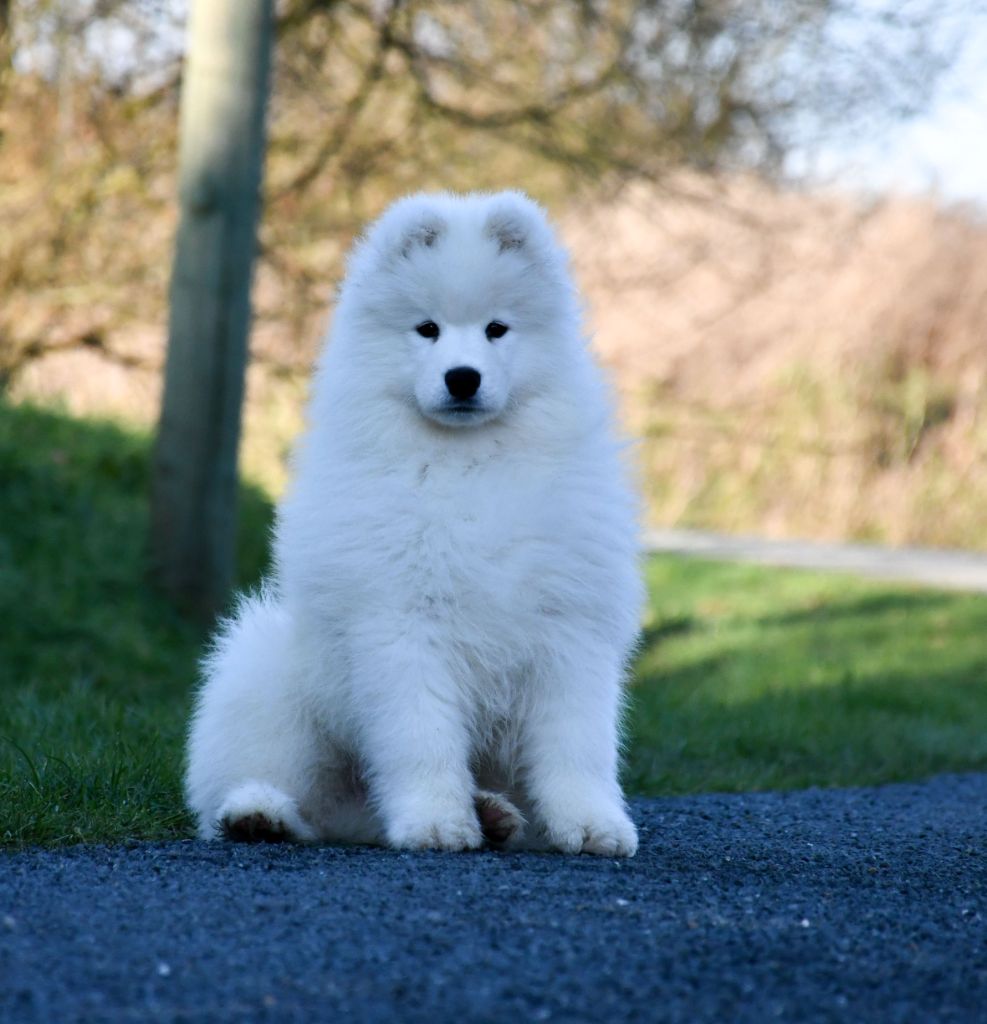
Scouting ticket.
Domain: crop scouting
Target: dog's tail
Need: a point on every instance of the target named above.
(250, 721)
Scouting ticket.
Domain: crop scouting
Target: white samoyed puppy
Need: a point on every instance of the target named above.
(438, 657)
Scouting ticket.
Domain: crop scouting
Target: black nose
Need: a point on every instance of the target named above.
(463, 382)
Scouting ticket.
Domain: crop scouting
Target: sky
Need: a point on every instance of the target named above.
(942, 151)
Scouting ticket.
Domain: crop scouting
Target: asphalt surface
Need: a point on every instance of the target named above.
(934, 567)
(842, 905)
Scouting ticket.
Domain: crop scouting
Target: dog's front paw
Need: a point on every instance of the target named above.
(435, 831)
(607, 833)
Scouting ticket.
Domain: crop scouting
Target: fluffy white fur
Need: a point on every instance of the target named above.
(441, 647)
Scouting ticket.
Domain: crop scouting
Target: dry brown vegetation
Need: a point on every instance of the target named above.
(799, 364)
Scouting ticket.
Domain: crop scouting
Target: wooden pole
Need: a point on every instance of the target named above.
(222, 140)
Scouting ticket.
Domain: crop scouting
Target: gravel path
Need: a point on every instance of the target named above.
(840, 905)
(952, 570)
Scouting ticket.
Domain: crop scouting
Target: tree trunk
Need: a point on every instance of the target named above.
(6, 42)
(194, 478)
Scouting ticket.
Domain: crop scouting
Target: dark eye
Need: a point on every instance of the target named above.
(495, 329)
(428, 329)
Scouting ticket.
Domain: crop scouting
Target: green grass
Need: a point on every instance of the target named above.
(95, 667)
(748, 678)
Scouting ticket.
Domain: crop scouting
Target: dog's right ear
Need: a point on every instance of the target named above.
(410, 224)
(423, 233)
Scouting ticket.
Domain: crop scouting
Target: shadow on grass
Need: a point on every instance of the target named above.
(96, 666)
(662, 629)
(906, 603)
(73, 543)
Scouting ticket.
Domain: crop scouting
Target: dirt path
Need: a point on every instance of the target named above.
(952, 570)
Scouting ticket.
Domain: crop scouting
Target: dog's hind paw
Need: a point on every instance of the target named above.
(500, 821)
(253, 828)
(259, 813)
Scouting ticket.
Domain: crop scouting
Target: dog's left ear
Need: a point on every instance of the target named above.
(516, 223)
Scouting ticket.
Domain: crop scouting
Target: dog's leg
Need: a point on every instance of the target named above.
(415, 741)
(570, 751)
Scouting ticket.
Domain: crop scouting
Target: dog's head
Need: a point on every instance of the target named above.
(459, 305)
